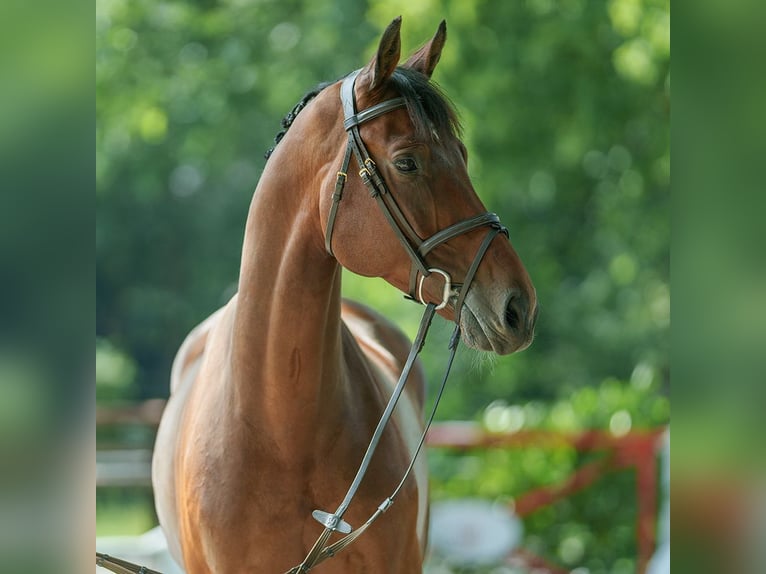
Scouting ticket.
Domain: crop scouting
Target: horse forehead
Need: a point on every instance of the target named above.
(398, 130)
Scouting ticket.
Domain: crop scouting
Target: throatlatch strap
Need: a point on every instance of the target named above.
(337, 195)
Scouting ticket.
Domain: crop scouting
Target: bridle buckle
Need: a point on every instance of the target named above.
(446, 292)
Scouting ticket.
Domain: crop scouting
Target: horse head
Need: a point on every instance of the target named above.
(396, 201)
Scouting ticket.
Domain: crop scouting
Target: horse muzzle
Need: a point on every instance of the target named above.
(503, 328)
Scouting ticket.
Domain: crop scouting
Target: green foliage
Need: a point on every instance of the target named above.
(565, 107)
(592, 529)
(115, 373)
(568, 142)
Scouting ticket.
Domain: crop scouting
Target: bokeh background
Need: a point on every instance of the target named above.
(566, 110)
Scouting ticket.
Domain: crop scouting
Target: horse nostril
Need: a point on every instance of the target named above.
(512, 315)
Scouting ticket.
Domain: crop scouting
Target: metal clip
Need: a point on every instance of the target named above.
(331, 521)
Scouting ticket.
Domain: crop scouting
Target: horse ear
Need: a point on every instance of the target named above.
(425, 59)
(385, 61)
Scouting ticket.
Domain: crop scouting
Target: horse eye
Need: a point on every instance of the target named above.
(406, 164)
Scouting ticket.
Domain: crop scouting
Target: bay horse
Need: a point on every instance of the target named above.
(275, 396)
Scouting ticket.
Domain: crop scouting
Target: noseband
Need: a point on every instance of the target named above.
(417, 249)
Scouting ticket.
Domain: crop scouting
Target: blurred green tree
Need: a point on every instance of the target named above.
(566, 114)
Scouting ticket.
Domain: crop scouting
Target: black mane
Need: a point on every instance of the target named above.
(288, 120)
(431, 112)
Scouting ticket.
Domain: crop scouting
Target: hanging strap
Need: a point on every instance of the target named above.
(347, 540)
(120, 566)
(333, 521)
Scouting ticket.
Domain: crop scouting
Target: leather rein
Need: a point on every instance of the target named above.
(417, 249)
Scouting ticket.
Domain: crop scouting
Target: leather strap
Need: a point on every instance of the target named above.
(348, 101)
(415, 247)
(356, 119)
(313, 557)
(120, 566)
(459, 228)
(472, 271)
(333, 549)
(337, 195)
(369, 173)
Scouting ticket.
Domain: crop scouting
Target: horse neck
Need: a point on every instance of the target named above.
(286, 360)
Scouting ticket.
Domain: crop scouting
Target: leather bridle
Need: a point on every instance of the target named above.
(417, 249)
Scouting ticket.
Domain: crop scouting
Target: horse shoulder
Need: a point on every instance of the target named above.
(384, 344)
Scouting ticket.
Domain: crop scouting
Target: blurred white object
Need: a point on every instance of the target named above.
(149, 549)
(470, 532)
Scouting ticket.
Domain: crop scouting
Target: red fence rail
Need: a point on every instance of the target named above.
(636, 450)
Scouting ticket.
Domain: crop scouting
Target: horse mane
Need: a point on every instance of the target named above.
(288, 120)
(431, 111)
